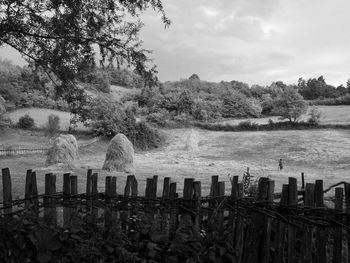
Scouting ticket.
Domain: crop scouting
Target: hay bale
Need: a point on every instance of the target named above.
(192, 142)
(120, 155)
(64, 150)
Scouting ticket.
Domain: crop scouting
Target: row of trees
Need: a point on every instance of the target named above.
(193, 99)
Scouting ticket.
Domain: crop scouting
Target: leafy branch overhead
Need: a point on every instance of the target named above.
(64, 37)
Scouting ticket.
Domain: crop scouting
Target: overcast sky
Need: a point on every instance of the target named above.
(254, 41)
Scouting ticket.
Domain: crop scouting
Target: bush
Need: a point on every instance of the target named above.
(314, 116)
(159, 118)
(248, 125)
(145, 137)
(52, 125)
(25, 122)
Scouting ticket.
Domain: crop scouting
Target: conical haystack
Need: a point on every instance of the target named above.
(64, 150)
(120, 155)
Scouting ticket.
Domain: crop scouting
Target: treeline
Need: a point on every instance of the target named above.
(29, 86)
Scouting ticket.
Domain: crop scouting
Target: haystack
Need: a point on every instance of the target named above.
(192, 142)
(64, 150)
(120, 155)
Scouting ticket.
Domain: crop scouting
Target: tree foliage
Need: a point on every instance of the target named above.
(61, 36)
(290, 105)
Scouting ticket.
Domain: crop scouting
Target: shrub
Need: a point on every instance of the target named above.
(145, 137)
(159, 118)
(52, 125)
(25, 122)
(314, 116)
(247, 125)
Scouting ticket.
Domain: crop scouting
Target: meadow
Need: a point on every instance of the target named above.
(320, 154)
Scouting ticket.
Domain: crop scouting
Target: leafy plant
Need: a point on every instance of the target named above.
(314, 116)
(52, 125)
(25, 122)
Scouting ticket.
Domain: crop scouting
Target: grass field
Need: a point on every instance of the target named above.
(329, 115)
(40, 117)
(321, 154)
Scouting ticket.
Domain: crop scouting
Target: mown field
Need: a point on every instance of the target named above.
(329, 115)
(321, 154)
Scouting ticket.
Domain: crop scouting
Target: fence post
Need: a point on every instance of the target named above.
(197, 188)
(164, 214)
(307, 239)
(173, 210)
(234, 195)
(47, 198)
(255, 229)
(94, 191)
(66, 196)
(281, 229)
(214, 191)
(338, 206)
(108, 190)
(220, 218)
(293, 201)
(27, 189)
(239, 228)
(154, 186)
(187, 197)
(74, 192)
(88, 181)
(7, 190)
(321, 235)
(267, 226)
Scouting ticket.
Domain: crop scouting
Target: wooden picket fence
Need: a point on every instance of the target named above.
(291, 226)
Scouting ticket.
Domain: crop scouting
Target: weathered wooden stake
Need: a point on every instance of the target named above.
(321, 235)
(7, 190)
(338, 237)
(66, 197)
(255, 227)
(281, 229)
(307, 236)
(265, 253)
(173, 210)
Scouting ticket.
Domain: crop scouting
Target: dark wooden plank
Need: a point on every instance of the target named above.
(338, 206)
(321, 234)
(94, 192)
(239, 229)
(265, 248)
(309, 201)
(173, 211)
(220, 214)
(134, 189)
(255, 227)
(166, 187)
(7, 190)
(292, 201)
(28, 188)
(127, 188)
(154, 186)
(347, 210)
(66, 197)
(88, 181)
(281, 229)
(302, 181)
(108, 195)
(46, 199)
(197, 194)
(34, 194)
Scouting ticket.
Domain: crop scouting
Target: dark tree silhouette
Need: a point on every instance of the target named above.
(63, 36)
